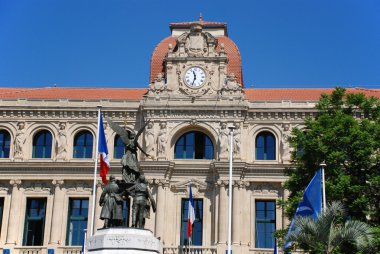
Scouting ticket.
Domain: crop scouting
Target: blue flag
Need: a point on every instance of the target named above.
(310, 204)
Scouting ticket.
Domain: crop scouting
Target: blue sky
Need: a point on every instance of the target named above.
(108, 43)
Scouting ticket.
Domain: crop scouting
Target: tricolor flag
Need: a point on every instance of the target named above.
(190, 214)
(103, 151)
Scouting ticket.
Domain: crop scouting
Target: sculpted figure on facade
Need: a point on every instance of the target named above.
(285, 147)
(149, 139)
(19, 142)
(223, 141)
(62, 142)
(142, 200)
(161, 140)
(231, 86)
(129, 161)
(112, 204)
(158, 86)
(237, 140)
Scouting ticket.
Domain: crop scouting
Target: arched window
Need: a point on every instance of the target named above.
(83, 144)
(42, 144)
(194, 145)
(118, 148)
(5, 144)
(265, 146)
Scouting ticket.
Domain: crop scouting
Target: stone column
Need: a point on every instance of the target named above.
(14, 214)
(57, 220)
(246, 215)
(160, 213)
(236, 214)
(98, 223)
(223, 213)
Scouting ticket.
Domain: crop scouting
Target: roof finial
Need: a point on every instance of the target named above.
(200, 18)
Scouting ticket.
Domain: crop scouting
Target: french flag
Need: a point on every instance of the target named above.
(103, 152)
(190, 214)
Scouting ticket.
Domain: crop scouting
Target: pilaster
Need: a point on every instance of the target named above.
(14, 214)
(57, 220)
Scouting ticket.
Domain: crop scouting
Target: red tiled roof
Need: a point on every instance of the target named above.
(294, 94)
(299, 94)
(232, 51)
(72, 93)
(158, 56)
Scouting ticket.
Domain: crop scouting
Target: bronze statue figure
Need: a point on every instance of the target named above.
(129, 161)
(112, 204)
(142, 200)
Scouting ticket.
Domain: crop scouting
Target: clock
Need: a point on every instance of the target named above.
(195, 77)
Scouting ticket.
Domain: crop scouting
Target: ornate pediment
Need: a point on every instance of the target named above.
(265, 189)
(196, 186)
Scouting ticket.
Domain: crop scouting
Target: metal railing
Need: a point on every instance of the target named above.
(189, 250)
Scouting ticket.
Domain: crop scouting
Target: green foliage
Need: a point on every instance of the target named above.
(330, 233)
(346, 136)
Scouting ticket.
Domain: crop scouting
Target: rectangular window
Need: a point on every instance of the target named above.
(77, 221)
(1, 211)
(34, 222)
(265, 224)
(196, 237)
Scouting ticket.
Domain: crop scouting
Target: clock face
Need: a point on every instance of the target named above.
(195, 77)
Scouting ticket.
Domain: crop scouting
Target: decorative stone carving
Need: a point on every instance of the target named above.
(264, 189)
(223, 141)
(285, 147)
(161, 141)
(62, 142)
(237, 140)
(58, 182)
(19, 142)
(15, 182)
(79, 187)
(231, 86)
(158, 86)
(36, 187)
(149, 139)
(196, 186)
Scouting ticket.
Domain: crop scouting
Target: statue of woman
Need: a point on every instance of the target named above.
(19, 141)
(223, 141)
(62, 142)
(129, 161)
(149, 139)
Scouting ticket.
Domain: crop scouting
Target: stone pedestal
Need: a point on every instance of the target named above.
(123, 241)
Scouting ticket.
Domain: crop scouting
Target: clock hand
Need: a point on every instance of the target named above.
(195, 77)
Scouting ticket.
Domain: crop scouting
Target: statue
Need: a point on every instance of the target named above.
(161, 144)
(62, 142)
(285, 148)
(237, 139)
(112, 204)
(223, 141)
(129, 161)
(149, 139)
(142, 199)
(19, 141)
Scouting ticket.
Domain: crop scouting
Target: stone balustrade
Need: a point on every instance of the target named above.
(190, 250)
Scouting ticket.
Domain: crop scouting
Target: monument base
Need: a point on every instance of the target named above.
(123, 240)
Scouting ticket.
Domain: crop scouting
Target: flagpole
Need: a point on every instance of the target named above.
(230, 192)
(323, 165)
(95, 173)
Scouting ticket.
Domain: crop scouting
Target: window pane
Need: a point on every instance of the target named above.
(118, 147)
(194, 145)
(34, 222)
(197, 233)
(5, 143)
(265, 146)
(265, 224)
(76, 221)
(42, 145)
(83, 145)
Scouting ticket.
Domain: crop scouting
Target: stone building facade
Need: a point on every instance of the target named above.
(195, 93)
